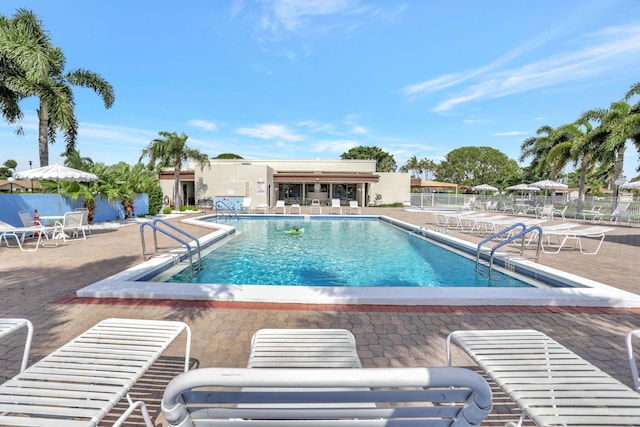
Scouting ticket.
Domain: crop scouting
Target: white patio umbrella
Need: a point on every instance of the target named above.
(484, 187)
(633, 185)
(523, 187)
(547, 184)
(57, 173)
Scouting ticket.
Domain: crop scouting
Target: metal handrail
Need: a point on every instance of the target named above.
(524, 231)
(228, 208)
(154, 226)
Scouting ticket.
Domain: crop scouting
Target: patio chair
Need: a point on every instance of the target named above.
(27, 219)
(633, 361)
(428, 397)
(315, 206)
(70, 228)
(246, 204)
(335, 205)
(279, 206)
(552, 385)
(262, 207)
(85, 219)
(595, 232)
(295, 207)
(79, 384)
(547, 212)
(353, 206)
(559, 212)
(303, 348)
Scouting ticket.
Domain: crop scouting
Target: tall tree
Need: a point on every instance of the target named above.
(412, 165)
(384, 161)
(616, 125)
(537, 148)
(45, 79)
(476, 165)
(171, 150)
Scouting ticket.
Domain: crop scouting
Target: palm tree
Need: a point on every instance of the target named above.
(618, 124)
(428, 166)
(538, 149)
(47, 80)
(171, 150)
(412, 165)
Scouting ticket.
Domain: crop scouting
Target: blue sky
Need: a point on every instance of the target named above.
(305, 79)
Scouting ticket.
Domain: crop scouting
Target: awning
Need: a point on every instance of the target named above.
(185, 175)
(345, 178)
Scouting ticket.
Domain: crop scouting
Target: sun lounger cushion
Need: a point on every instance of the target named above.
(552, 385)
(78, 384)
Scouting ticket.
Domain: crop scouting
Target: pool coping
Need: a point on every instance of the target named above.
(126, 284)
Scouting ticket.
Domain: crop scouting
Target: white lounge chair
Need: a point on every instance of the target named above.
(279, 206)
(619, 213)
(560, 212)
(10, 326)
(335, 205)
(576, 235)
(295, 207)
(353, 206)
(315, 207)
(303, 348)
(20, 234)
(633, 361)
(78, 384)
(546, 212)
(552, 385)
(246, 204)
(593, 215)
(327, 397)
(262, 207)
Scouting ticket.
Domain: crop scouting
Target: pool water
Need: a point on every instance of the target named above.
(343, 253)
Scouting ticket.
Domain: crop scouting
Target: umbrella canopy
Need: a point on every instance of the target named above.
(484, 187)
(523, 187)
(547, 184)
(633, 185)
(56, 173)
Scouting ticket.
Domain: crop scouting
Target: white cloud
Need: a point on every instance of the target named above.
(335, 146)
(509, 133)
(204, 124)
(595, 54)
(270, 131)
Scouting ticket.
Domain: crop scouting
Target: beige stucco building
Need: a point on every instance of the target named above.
(294, 181)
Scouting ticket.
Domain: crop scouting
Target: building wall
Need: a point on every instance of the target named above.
(392, 187)
(231, 180)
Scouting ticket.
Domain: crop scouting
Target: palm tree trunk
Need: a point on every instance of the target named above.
(176, 189)
(583, 179)
(43, 135)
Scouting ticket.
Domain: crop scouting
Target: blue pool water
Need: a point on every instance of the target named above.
(352, 252)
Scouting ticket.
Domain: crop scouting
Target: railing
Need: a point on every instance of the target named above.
(508, 240)
(225, 211)
(189, 249)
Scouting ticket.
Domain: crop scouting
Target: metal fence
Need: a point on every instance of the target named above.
(606, 205)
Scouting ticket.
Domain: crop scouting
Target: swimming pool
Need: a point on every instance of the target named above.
(556, 287)
(350, 252)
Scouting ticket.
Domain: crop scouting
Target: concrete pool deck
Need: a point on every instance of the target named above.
(41, 286)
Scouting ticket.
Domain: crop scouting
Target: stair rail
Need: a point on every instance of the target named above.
(508, 240)
(189, 249)
(227, 211)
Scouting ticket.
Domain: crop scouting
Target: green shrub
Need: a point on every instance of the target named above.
(167, 211)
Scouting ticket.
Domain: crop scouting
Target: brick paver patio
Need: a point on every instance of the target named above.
(40, 286)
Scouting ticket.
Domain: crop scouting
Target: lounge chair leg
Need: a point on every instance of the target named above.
(132, 407)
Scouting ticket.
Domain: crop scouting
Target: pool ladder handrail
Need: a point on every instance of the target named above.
(190, 249)
(522, 233)
(231, 212)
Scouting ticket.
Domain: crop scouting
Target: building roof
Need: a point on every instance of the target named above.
(348, 178)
